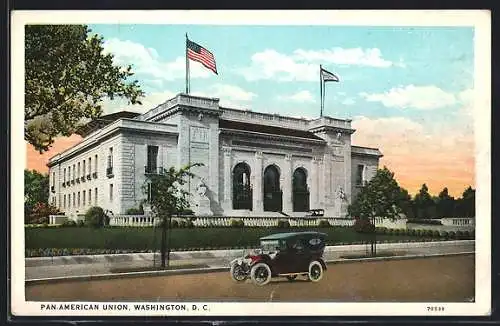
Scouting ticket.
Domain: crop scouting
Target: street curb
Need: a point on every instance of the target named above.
(222, 253)
(216, 269)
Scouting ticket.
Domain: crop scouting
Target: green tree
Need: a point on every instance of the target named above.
(423, 203)
(445, 204)
(166, 195)
(36, 190)
(380, 197)
(67, 75)
(466, 206)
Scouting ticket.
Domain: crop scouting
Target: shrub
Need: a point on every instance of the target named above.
(283, 224)
(444, 234)
(189, 224)
(324, 224)
(363, 226)
(40, 213)
(95, 217)
(135, 211)
(460, 234)
(175, 224)
(452, 235)
(436, 234)
(69, 223)
(237, 223)
(424, 221)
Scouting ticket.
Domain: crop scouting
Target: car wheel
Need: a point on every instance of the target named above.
(260, 274)
(291, 277)
(238, 273)
(315, 271)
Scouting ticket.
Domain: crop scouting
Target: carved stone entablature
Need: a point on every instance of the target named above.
(288, 157)
(337, 151)
(317, 160)
(259, 155)
(227, 150)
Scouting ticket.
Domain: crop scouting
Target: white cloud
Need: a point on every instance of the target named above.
(301, 96)
(150, 101)
(147, 61)
(411, 96)
(354, 56)
(303, 65)
(348, 101)
(229, 95)
(387, 127)
(270, 64)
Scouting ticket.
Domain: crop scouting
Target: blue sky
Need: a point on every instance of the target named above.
(420, 73)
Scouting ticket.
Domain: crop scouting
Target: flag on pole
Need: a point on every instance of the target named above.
(198, 53)
(328, 76)
(325, 76)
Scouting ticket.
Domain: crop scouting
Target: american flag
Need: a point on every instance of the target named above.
(198, 53)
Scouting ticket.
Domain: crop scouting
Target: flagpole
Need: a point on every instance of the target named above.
(320, 92)
(187, 66)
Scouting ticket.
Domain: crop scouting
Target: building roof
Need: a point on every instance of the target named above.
(103, 121)
(266, 129)
(366, 151)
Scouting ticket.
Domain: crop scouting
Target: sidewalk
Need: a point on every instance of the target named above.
(48, 267)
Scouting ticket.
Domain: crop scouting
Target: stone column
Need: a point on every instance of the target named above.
(257, 191)
(321, 184)
(227, 180)
(314, 183)
(287, 184)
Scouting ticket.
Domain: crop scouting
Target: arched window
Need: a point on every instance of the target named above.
(272, 189)
(300, 191)
(242, 191)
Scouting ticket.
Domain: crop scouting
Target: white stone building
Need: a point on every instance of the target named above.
(255, 164)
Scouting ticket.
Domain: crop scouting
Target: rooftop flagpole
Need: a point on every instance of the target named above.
(320, 92)
(187, 66)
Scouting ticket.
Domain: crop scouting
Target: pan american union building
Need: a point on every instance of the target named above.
(254, 164)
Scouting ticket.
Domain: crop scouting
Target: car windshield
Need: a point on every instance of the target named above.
(270, 245)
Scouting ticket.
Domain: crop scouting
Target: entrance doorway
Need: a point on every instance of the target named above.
(272, 191)
(300, 191)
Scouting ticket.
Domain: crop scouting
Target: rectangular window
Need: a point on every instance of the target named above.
(95, 194)
(83, 198)
(90, 197)
(74, 199)
(110, 192)
(69, 173)
(360, 175)
(95, 159)
(64, 175)
(83, 168)
(90, 165)
(64, 201)
(69, 200)
(152, 159)
(78, 199)
(74, 172)
(110, 158)
(78, 175)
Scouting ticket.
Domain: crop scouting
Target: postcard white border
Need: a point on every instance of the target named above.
(479, 19)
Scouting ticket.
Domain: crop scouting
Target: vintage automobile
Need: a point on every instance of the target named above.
(283, 255)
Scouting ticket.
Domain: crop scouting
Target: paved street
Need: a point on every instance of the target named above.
(49, 271)
(448, 279)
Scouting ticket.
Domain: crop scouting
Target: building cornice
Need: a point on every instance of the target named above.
(110, 130)
(332, 129)
(271, 136)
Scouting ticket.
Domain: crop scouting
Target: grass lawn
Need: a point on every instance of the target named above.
(142, 239)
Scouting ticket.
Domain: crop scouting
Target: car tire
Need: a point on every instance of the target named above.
(237, 273)
(260, 274)
(315, 271)
(291, 277)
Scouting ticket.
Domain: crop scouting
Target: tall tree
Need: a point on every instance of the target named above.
(166, 195)
(466, 206)
(423, 203)
(36, 190)
(380, 197)
(445, 204)
(67, 75)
